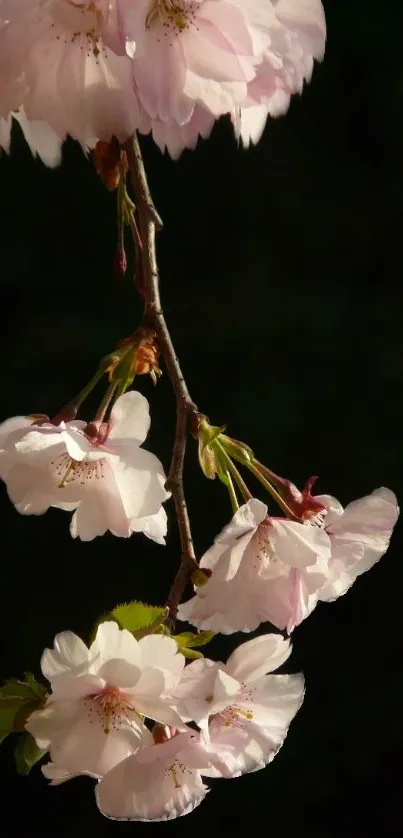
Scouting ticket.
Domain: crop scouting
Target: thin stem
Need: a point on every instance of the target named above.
(246, 494)
(272, 491)
(69, 411)
(149, 224)
(232, 492)
(103, 407)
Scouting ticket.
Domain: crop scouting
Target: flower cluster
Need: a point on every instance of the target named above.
(95, 69)
(120, 711)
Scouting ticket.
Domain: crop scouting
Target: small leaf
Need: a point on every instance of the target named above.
(191, 653)
(136, 616)
(184, 638)
(27, 754)
(201, 638)
(38, 690)
(8, 711)
(16, 689)
(188, 639)
(23, 712)
(18, 699)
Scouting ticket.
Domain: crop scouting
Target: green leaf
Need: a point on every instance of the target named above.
(201, 638)
(27, 754)
(191, 653)
(8, 711)
(184, 638)
(18, 699)
(136, 616)
(23, 712)
(188, 639)
(37, 689)
(16, 689)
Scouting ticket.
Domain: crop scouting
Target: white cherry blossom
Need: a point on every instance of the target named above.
(243, 711)
(359, 537)
(114, 485)
(262, 569)
(93, 718)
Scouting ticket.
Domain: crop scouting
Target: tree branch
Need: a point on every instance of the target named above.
(186, 410)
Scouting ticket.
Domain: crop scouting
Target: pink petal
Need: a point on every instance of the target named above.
(256, 657)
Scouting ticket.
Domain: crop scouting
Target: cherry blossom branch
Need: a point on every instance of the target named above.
(186, 410)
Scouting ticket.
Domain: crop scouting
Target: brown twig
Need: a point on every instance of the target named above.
(149, 224)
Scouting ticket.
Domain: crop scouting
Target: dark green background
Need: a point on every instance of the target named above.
(281, 279)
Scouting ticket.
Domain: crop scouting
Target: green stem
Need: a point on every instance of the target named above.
(232, 469)
(103, 407)
(232, 492)
(70, 410)
(272, 491)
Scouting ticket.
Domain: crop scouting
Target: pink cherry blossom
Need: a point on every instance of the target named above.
(359, 537)
(298, 36)
(93, 718)
(244, 712)
(188, 52)
(71, 54)
(115, 485)
(174, 137)
(262, 569)
(159, 782)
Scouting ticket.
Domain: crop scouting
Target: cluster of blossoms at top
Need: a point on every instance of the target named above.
(121, 711)
(94, 69)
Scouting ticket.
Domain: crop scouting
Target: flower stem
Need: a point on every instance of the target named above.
(272, 491)
(149, 224)
(232, 492)
(70, 410)
(246, 494)
(103, 407)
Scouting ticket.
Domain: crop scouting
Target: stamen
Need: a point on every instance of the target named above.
(175, 16)
(77, 472)
(110, 707)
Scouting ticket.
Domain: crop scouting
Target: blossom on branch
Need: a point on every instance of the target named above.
(244, 711)
(93, 718)
(273, 569)
(111, 485)
(159, 782)
(261, 570)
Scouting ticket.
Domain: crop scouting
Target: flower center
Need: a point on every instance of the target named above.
(264, 555)
(78, 22)
(70, 472)
(173, 15)
(233, 716)
(109, 707)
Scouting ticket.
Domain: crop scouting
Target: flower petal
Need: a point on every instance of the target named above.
(68, 653)
(256, 657)
(130, 418)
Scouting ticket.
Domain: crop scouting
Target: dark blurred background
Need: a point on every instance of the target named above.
(281, 280)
